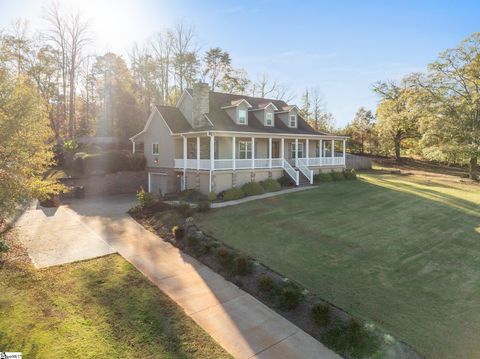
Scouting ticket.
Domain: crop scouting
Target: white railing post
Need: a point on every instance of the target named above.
(297, 181)
(307, 151)
(184, 153)
(253, 153)
(133, 147)
(198, 153)
(234, 152)
(270, 152)
(149, 182)
(296, 152)
(212, 152)
(344, 148)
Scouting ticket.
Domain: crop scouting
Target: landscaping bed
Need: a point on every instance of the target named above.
(347, 335)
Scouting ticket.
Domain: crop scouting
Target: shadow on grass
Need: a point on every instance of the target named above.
(418, 189)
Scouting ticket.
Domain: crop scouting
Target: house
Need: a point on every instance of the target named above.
(212, 141)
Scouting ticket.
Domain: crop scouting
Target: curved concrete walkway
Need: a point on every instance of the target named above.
(244, 326)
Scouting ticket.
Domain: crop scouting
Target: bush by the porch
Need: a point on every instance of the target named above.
(233, 193)
(271, 185)
(252, 189)
(322, 177)
(337, 176)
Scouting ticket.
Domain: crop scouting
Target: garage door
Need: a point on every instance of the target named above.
(158, 183)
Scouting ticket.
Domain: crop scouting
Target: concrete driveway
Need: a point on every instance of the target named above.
(244, 326)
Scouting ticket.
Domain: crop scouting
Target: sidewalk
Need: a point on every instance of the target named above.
(244, 326)
(261, 196)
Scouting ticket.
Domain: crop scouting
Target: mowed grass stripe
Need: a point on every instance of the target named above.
(402, 251)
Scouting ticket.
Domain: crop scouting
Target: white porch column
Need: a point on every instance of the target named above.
(320, 148)
(344, 150)
(212, 152)
(306, 152)
(269, 152)
(253, 152)
(198, 153)
(184, 153)
(234, 152)
(333, 150)
(282, 149)
(296, 152)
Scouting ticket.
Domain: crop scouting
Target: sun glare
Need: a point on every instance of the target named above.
(116, 25)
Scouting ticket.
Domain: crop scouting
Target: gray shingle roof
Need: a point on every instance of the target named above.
(222, 122)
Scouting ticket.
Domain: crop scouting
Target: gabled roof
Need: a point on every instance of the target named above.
(222, 121)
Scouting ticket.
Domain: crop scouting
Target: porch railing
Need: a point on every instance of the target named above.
(227, 164)
(294, 174)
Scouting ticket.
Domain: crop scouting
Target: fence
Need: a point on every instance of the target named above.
(358, 162)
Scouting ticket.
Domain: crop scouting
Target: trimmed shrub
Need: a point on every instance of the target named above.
(286, 181)
(242, 265)
(203, 206)
(184, 209)
(271, 185)
(145, 199)
(233, 193)
(177, 232)
(289, 296)
(192, 242)
(337, 176)
(323, 177)
(224, 257)
(266, 285)
(321, 314)
(212, 196)
(350, 174)
(351, 340)
(4, 248)
(191, 195)
(252, 189)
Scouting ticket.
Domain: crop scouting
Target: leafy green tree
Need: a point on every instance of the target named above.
(25, 154)
(361, 128)
(397, 114)
(452, 128)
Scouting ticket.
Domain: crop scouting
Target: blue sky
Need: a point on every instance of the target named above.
(341, 47)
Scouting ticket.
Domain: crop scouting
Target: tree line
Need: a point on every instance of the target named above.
(110, 94)
(433, 114)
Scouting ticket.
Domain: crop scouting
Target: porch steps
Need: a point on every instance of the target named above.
(303, 181)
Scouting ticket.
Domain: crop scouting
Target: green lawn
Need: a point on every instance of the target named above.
(102, 308)
(400, 251)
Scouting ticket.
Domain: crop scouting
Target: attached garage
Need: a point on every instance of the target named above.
(158, 183)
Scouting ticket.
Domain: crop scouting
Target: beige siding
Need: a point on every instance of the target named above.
(158, 132)
(223, 181)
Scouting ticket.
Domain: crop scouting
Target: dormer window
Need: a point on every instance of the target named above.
(292, 121)
(269, 118)
(242, 117)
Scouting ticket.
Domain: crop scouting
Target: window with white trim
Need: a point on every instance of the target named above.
(292, 121)
(268, 118)
(244, 150)
(242, 117)
(155, 149)
(300, 150)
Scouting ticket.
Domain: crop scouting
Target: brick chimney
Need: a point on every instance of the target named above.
(201, 104)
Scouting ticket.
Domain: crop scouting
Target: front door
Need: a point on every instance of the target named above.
(276, 149)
